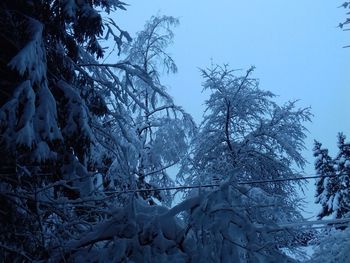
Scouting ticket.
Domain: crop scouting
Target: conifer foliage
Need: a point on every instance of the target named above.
(65, 118)
(333, 192)
(46, 118)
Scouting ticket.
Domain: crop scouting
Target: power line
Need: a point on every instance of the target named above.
(310, 224)
(182, 187)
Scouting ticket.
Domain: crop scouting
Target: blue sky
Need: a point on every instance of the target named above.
(295, 46)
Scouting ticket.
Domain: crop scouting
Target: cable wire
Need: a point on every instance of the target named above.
(181, 187)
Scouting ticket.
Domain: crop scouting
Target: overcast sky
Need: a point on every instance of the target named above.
(295, 46)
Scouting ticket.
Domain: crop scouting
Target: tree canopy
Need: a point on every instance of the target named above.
(99, 164)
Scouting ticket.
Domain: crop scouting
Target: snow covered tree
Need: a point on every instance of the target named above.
(243, 129)
(333, 192)
(70, 126)
(158, 128)
(48, 113)
(342, 163)
(325, 188)
(245, 136)
(84, 144)
(150, 133)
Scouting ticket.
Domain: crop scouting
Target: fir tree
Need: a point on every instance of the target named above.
(332, 191)
(342, 163)
(47, 105)
(324, 165)
(71, 127)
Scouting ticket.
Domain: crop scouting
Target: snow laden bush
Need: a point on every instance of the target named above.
(333, 246)
(246, 136)
(216, 229)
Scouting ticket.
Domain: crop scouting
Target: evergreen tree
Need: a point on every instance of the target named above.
(342, 163)
(50, 110)
(66, 118)
(325, 187)
(333, 192)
